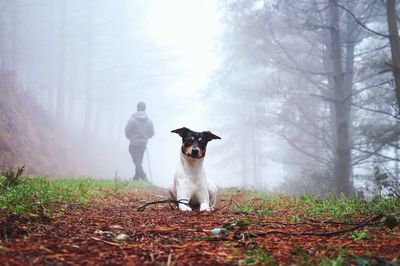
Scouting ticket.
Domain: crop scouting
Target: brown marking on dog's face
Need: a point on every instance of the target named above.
(186, 149)
(194, 143)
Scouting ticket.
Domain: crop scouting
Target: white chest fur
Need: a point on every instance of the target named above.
(191, 183)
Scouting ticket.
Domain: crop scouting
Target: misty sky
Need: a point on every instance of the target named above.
(186, 32)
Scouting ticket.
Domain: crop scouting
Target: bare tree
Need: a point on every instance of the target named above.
(14, 23)
(87, 124)
(61, 71)
(320, 65)
(342, 88)
(394, 45)
(2, 36)
(8, 34)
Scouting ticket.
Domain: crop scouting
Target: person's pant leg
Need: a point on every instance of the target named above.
(137, 153)
(139, 168)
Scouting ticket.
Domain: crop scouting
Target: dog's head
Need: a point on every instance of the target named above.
(194, 143)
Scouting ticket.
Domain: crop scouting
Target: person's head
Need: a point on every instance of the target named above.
(141, 106)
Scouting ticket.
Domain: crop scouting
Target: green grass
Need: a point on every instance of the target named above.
(33, 194)
(257, 257)
(343, 257)
(359, 235)
(338, 208)
(338, 261)
(309, 206)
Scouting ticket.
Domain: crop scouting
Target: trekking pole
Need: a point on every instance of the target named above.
(148, 165)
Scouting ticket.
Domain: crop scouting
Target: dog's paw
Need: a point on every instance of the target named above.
(184, 208)
(205, 207)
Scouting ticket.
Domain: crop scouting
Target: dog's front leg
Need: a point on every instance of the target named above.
(204, 200)
(183, 196)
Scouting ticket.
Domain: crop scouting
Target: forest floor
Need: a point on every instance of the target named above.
(251, 230)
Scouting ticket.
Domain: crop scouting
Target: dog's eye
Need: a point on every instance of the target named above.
(191, 138)
(200, 139)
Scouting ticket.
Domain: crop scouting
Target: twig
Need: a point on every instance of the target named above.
(169, 201)
(104, 241)
(336, 223)
(213, 239)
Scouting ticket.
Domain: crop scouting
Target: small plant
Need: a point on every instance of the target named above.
(264, 212)
(245, 208)
(257, 257)
(302, 256)
(338, 261)
(243, 224)
(12, 177)
(386, 184)
(261, 210)
(359, 235)
(390, 221)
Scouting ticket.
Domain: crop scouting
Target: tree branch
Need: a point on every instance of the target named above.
(376, 111)
(372, 153)
(301, 150)
(358, 21)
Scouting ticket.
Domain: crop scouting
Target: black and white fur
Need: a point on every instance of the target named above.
(190, 181)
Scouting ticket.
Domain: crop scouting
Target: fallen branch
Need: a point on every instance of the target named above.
(169, 201)
(335, 222)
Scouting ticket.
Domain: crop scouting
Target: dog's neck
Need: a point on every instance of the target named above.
(192, 166)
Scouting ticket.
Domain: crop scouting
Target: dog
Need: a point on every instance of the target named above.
(190, 181)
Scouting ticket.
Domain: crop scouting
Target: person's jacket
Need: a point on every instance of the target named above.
(139, 129)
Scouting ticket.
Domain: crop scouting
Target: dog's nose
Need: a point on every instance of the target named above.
(195, 152)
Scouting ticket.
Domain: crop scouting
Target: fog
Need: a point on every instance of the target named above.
(257, 74)
(154, 51)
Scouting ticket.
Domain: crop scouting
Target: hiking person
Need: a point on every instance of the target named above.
(138, 130)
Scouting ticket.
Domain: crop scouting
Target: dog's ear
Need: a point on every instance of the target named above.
(181, 131)
(210, 136)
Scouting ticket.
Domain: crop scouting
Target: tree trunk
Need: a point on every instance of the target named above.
(2, 42)
(351, 32)
(394, 45)
(52, 65)
(8, 23)
(87, 124)
(61, 65)
(253, 157)
(96, 127)
(14, 7)
(396, 162)
(342, 168)
(243, 161)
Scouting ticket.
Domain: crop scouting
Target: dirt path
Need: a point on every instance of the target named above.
(161, 236)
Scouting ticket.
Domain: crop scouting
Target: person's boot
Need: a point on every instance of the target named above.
(143, 177)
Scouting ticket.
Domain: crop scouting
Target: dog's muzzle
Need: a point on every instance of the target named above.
(195, 153)
(191, 152)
